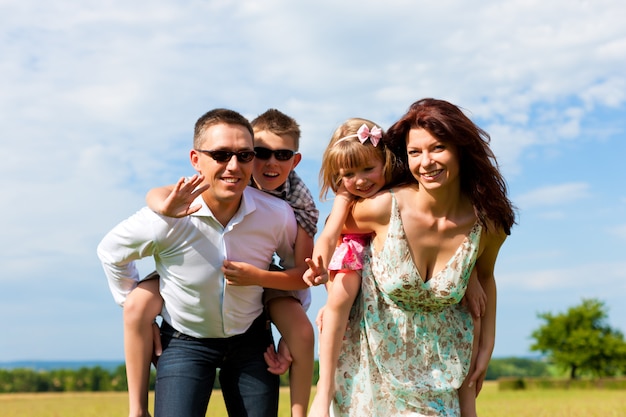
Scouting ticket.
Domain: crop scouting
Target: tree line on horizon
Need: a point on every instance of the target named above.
(97, 378)
(577, 343)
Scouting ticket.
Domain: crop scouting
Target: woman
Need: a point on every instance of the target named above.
(409, 344)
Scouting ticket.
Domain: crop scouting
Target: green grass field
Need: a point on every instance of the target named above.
(491, 403)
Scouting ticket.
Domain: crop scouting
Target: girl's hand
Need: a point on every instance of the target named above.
(344, 193)
(316, 274)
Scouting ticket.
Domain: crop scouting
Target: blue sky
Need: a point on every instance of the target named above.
(98, 102)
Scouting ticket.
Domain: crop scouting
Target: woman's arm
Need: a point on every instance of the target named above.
(485, 265)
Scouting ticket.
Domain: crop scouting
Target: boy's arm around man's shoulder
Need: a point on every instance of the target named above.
(291, 242)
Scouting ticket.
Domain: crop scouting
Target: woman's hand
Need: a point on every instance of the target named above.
(475, 298)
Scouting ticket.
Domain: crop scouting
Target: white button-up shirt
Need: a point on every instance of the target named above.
(189, 253)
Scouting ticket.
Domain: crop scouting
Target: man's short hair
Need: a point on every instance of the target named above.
(215, 117)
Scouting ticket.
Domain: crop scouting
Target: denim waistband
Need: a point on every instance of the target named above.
(259, 324)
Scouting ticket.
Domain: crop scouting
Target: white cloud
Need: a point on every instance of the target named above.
(591, 278)
(619, 231)
(99, 101)
(553, 195)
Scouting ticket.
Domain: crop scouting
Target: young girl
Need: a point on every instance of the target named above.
(356, 165)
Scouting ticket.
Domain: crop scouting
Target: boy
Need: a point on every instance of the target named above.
(276, 141)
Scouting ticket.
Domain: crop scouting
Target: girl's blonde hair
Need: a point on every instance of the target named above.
(345, 151)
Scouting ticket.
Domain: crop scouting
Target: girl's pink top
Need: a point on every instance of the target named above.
(349, 253)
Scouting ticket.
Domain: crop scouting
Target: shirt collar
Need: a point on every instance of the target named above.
(246, 206)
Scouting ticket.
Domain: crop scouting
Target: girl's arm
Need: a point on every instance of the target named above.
(327, 241)
(370, 215)
(175, 200)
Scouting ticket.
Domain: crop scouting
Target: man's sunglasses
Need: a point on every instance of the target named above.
(226, 156)
(279, 154)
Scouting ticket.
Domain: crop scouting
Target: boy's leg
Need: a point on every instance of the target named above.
(467, 394)
(141, 307)
(341, 295)
(297, 332)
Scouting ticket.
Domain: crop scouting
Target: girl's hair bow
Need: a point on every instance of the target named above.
(364, 133)
(374, 135)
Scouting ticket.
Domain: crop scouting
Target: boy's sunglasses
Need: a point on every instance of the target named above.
(279, 154)
(225, 156)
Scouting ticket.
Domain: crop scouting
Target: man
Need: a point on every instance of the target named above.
(208, 324)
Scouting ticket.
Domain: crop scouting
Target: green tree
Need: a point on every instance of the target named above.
(581, 340)
(516, 367)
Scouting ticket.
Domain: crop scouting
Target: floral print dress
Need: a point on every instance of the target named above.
(408, 345)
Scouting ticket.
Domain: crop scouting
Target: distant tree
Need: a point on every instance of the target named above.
(93, 379)
(516, 367)
(316, 372)
(118, 379)
(581, 341)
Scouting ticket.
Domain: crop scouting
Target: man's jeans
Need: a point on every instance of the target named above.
(186, 372)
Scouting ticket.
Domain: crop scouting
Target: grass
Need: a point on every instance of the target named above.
(551, 403)
(491, 403)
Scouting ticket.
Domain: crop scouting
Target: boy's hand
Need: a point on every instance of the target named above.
(241, 273)
(178, 202)
(278, 362)
(316, 274)
(157, 348)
